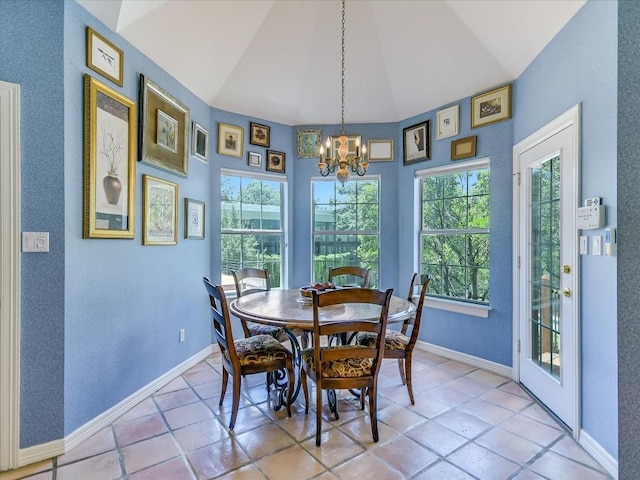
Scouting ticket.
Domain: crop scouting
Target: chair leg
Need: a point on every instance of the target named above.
(318, 414)
(290, 375)
(236, 401)
(225, 379)
(403, 376)
(304, 340)
(363, 392)
(373, 411)
(305, 388)
(407, 367)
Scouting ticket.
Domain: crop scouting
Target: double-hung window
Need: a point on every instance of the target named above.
(253, 209)
(454, 231)
(346, 226)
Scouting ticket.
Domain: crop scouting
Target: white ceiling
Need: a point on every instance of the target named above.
(280, 59)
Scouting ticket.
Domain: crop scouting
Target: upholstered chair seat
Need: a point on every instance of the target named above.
(393, 340)
(259, 349)
(342, 367)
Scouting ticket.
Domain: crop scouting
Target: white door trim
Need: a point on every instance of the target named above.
(9, 275)
(567, 119)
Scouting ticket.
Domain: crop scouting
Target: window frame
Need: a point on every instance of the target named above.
(314, 232)
(284, 216)
(467, 307)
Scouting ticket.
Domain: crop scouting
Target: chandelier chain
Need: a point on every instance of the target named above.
(342, 131)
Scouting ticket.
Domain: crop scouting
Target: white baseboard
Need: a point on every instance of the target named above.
(43, 451)
(488, 365)
(106, 418)
(599, 454)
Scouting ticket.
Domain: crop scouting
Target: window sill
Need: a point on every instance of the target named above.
(481, 311)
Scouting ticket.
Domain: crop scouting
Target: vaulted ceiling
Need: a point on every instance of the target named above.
(281, 59)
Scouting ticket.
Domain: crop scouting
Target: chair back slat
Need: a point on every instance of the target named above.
(220, 318)
(350, 275)
(417, 319)
(250, 280)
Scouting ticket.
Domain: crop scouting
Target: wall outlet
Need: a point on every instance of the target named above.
(182, 335)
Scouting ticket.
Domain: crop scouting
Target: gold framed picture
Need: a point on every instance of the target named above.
(353, 146)
(491, 107)
(159, 211)
(308, 142)
(463, 148)
(380, 150)
(230, 140)
(104, 57)
(259, 134)
(164, 129)
(109, 162)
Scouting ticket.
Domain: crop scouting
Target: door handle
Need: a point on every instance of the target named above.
(566, 269)
(566, 291)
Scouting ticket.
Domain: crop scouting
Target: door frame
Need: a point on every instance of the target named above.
(570, 118)
(10, 275)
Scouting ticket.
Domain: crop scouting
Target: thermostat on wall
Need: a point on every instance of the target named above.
(590, 217)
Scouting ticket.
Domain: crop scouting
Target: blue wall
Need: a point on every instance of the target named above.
(100, 318)
(581, 66)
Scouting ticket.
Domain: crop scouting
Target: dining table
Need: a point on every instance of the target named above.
(291, 310)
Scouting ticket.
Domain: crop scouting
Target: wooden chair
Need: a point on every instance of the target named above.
(245, 356)
(397, 344)
(345, 366)
(350, 275)
(251, 280)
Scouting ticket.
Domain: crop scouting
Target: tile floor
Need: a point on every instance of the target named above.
(466, 424)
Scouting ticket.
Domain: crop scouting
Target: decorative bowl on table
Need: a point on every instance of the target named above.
(307, 290)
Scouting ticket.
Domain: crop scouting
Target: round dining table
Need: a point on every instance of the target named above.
(289, 309)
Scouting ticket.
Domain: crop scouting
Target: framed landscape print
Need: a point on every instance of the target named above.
(259, 135)
(491, 107)
(164, 129)
(109, 162)
(193, 219)
(275, 161)
(230, 140)
(200, 142)
(104, 57)
(159, 211)
(448, 122)
(308, 143)
(416, 141)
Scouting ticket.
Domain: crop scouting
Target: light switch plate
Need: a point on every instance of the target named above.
(35, 241)
(584, 245)
(596, 246)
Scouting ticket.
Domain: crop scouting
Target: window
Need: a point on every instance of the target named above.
(252, 225)
(346, 226)
(454, 232)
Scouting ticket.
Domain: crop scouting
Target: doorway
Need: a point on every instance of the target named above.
(546, 277)
(9, 274)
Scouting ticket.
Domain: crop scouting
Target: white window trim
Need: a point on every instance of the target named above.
(449, 305)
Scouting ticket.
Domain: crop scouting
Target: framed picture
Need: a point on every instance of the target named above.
(353, 146)
(491, 107)
(448, 121)
(193, 219)
(380, 150)
(230, 140)
(255, 159)
(109, 162)
(417, 142)
(308, 143)
(199, 142)
(275, 161)
(463, 148)
(260, 134)
(104, 57)
(164, 129)
(159, 211)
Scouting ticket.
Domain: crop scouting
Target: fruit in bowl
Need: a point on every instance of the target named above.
(319, 287)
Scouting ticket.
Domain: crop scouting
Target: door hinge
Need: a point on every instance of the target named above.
(518, 177)
(518, 346)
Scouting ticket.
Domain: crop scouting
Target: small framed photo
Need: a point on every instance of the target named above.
(463, 148)
(259, 134)
(491, 107)
(166, 135)
(230, 140)
(199, 142)
(193, 219)
(255, 159)
(159, 211)
(448, 121)
(308, 142)
(416, 141)
(380, 150)
(275, 161)
(104, 57)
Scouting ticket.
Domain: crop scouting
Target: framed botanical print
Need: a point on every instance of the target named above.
(104, 57)
(416, 141)
(159, 211)
(259, 134)
(193, 219)
(109, 162)
(164, 129)
(275, 161)
(230, 140)
(308, 142)
(448, 122)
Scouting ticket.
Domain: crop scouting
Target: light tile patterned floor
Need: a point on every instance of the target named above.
(467, 424)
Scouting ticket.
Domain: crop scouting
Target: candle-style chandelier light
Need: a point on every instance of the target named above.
(356, 163)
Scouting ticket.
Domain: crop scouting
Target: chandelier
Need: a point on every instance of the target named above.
(356, 163)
